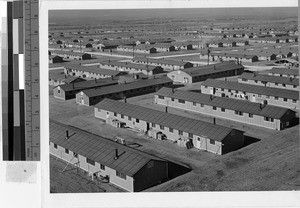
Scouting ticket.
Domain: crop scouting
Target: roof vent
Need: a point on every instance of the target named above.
(211, 97)
(67, 135)
(116, 154)
(262, 105)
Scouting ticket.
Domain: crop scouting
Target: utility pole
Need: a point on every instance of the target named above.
(147, 68)
(208, 52)
(133, 51)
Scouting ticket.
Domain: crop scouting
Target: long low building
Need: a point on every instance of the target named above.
(284, 72)
(254, 93)
(205, 136)
(201, 73)
(142, 48)
(131, 67)
(127, 168)
(227, 56)
(243, 111)
(121, 91)
(269, 81)
(68, 91)
(71, 55)
(166, 64)
(93, 72)
(58, 77)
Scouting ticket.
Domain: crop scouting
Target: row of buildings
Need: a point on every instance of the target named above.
(289, 83)
(244, 56)
(110, 72)
(254, 93)
(92, 72)
(201, 73)
(186, 132)
(65, 54)
(102, 159)
(242, 111)
(122, 91)
(130, 67)
(168, 65)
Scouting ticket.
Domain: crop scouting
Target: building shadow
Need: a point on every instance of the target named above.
(248, 140)
(177, 85)
(198, 91)
(295, 121)
(175, 170)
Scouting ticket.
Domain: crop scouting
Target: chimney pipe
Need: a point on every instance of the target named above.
(116, 154)
(73, 84)
(125, 100)
(166, 109)
(67, 134)
(214, 120)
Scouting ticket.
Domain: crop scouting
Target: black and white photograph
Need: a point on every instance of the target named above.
(149, 103)
(173, 100)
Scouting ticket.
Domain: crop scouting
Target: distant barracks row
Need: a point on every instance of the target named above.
(69, 91)
(243, 111)
(288, 83)
(131, 67)
(202, 135)
(166, 64)
(283, 72)
(92, 72)
(122, 91)
(201, 73)
(254, 93)
(70, 54)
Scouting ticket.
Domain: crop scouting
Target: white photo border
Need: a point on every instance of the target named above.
(162, 199)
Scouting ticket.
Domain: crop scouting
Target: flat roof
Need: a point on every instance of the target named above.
(57, 75)
(129, 65)
(193, 126)
(161, 61)
(77, 86)
(94, 69)
(224, 102)
(213, 68)
(67, 52)
(128, 86)
(140, 46)
(272, 91)
(284, 71)
(99, 149)
(231, 54)
(269, 78)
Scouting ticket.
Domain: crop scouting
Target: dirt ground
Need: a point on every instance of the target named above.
(71, 181)
(268, 162)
